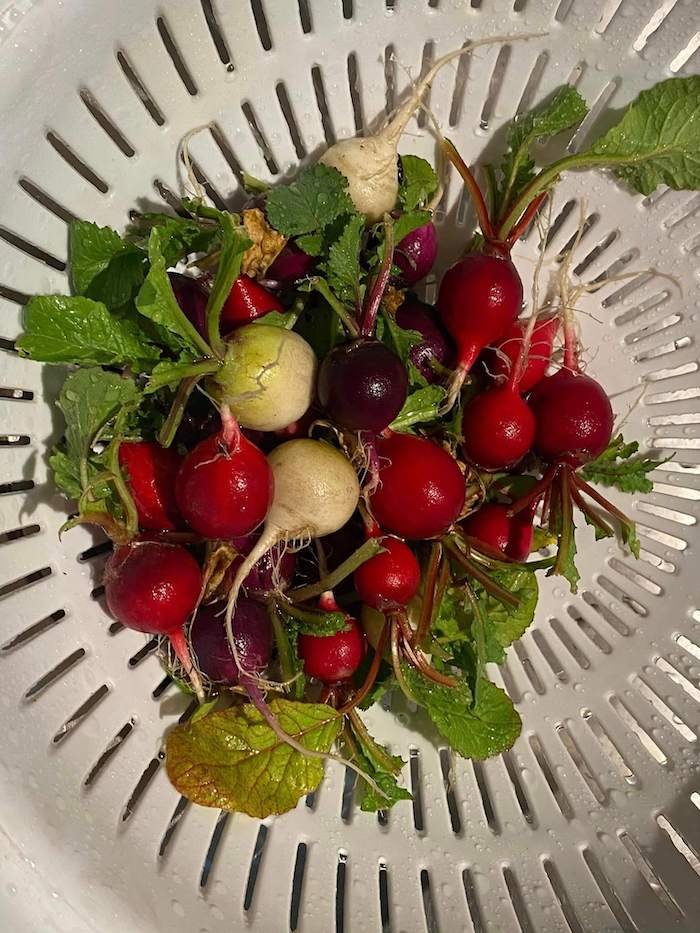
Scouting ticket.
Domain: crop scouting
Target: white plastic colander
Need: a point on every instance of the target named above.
(592, 821)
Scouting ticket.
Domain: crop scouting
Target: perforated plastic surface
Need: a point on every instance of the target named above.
(592, 821)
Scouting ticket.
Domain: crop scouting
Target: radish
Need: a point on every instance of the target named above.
(268, 376)
(224, 487)
(362, 385)
(151, 471)
(153, 587)
(390, 579)
(192, 298)
(316, 492)
(291, 265)
(273, 572)
(416, 253)
(493, 526)
(210, 649)
(370, 163)
(334, 658)
(435, 347)
(498, 428)
(421, 487)
(574, 418)
(246, 301)
(503, 356)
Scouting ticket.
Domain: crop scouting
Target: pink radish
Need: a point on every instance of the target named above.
(503, 356)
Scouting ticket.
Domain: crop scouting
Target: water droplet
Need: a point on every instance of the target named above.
(178, 909)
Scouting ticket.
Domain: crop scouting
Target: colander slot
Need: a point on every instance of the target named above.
(56, 672)
(20, 485)
(161, 687)
(606, 614)
(527, 98)
(609, 747)
(384, 909)
(647, 742)
(610, 895)
(684, 847)
(139, 88)
(688, 209)
(213, 848)
(662, 537)
(617, 267)
(210, 189)
(591, 633)
(322, 104)
(310, 801)
(448, 780)
(14, 440)
(170, 198)
(656, 20)
(348, 9)
(472, 902)
(97, 592)
(347, 799)
(529, 668)
(556, 225)
(261, 24)
(635, 576)
(217, 36)
(688, 646)
(256, 858)
(459, 90)
(664, 709)
(683, 370)
(19, 298)
(355, 95)
(30, 249)
(176, 56)
(659, 563)
(45, 200)
(516, 900)
(82, 712)
(606, 17)
(76, 163)
(580, 137)
(580, 763)
(181, 808)
(577, 72)
(107, 124)
(509, 682)
(259, 137)
(497, 77)
(624, 292)
(390, 5)
(465, 210)
(416, 789)
(97, 550)
(645, 869)
(340, 874)
(622, 596)
(431, 924)
(427, 59)
(115, 627)
(555, 665)
(297, 885)
(38, 628)
(519, 790)
(290, 119)
(112, 748)
(691, 417)
(590, 221)
(596, 252)
(560, 798)
(677, 443)
(22, 583)
(685, 53)
(671, 515)
(519, 6)
(144, 652)
(305, 16)
(680, 395)
(654, 327)
(486, 802)
(567, 641)
(678, 678)
(663, 350)
(15, 534)
(226, 151)
(562, 896)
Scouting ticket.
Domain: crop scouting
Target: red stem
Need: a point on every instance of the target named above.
(182, 651)
(536, 492)
(431, 577)
(525, 220)
(482, 211)
(369, 680)
(380, 283)
(601, 500)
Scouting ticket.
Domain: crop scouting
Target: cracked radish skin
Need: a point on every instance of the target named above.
(268, 378)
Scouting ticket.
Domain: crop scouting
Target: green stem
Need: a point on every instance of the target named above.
(132, 516)
(348, 321)
(378, 754)
(166, 435)
(473, 570)
(566, 523)
(427, 606)
(369, 549)
(203, 368)
(479, 628)
(311, 617)
(295, 311)
(288, 668)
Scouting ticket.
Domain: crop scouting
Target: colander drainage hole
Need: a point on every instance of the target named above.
(297, 885)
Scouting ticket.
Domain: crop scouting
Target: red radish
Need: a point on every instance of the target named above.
(192, 297)
(153, 587)
(421, 488)
(415, 315)
(498, 428)
(503, 356)
(416, 253)
(480, 297)
(574, 418)
(492, 525)
(291, 265)
(274, 571)
(247, 301)
(251, 630)
(151, 471)
(334, 658)
(390, 579)
(225, 486)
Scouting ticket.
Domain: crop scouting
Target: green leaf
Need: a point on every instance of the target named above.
(421, 405)
(475, 727)
(103, 266)
(276, 318)
(234, 761)
(629, 537)
(343, 265)
(156, 301)
(618, 467)
(419, 182)
(657, 140)
(234, 244)
(181, 236)
(66, 473)
(376, 762)
(505, 624)
(565, 110)
(569, 570)
(401, 341)
(61, 329)
(312, 201)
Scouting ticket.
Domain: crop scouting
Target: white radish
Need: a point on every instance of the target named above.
(316, 493)
(268, 378)
(370, 162)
